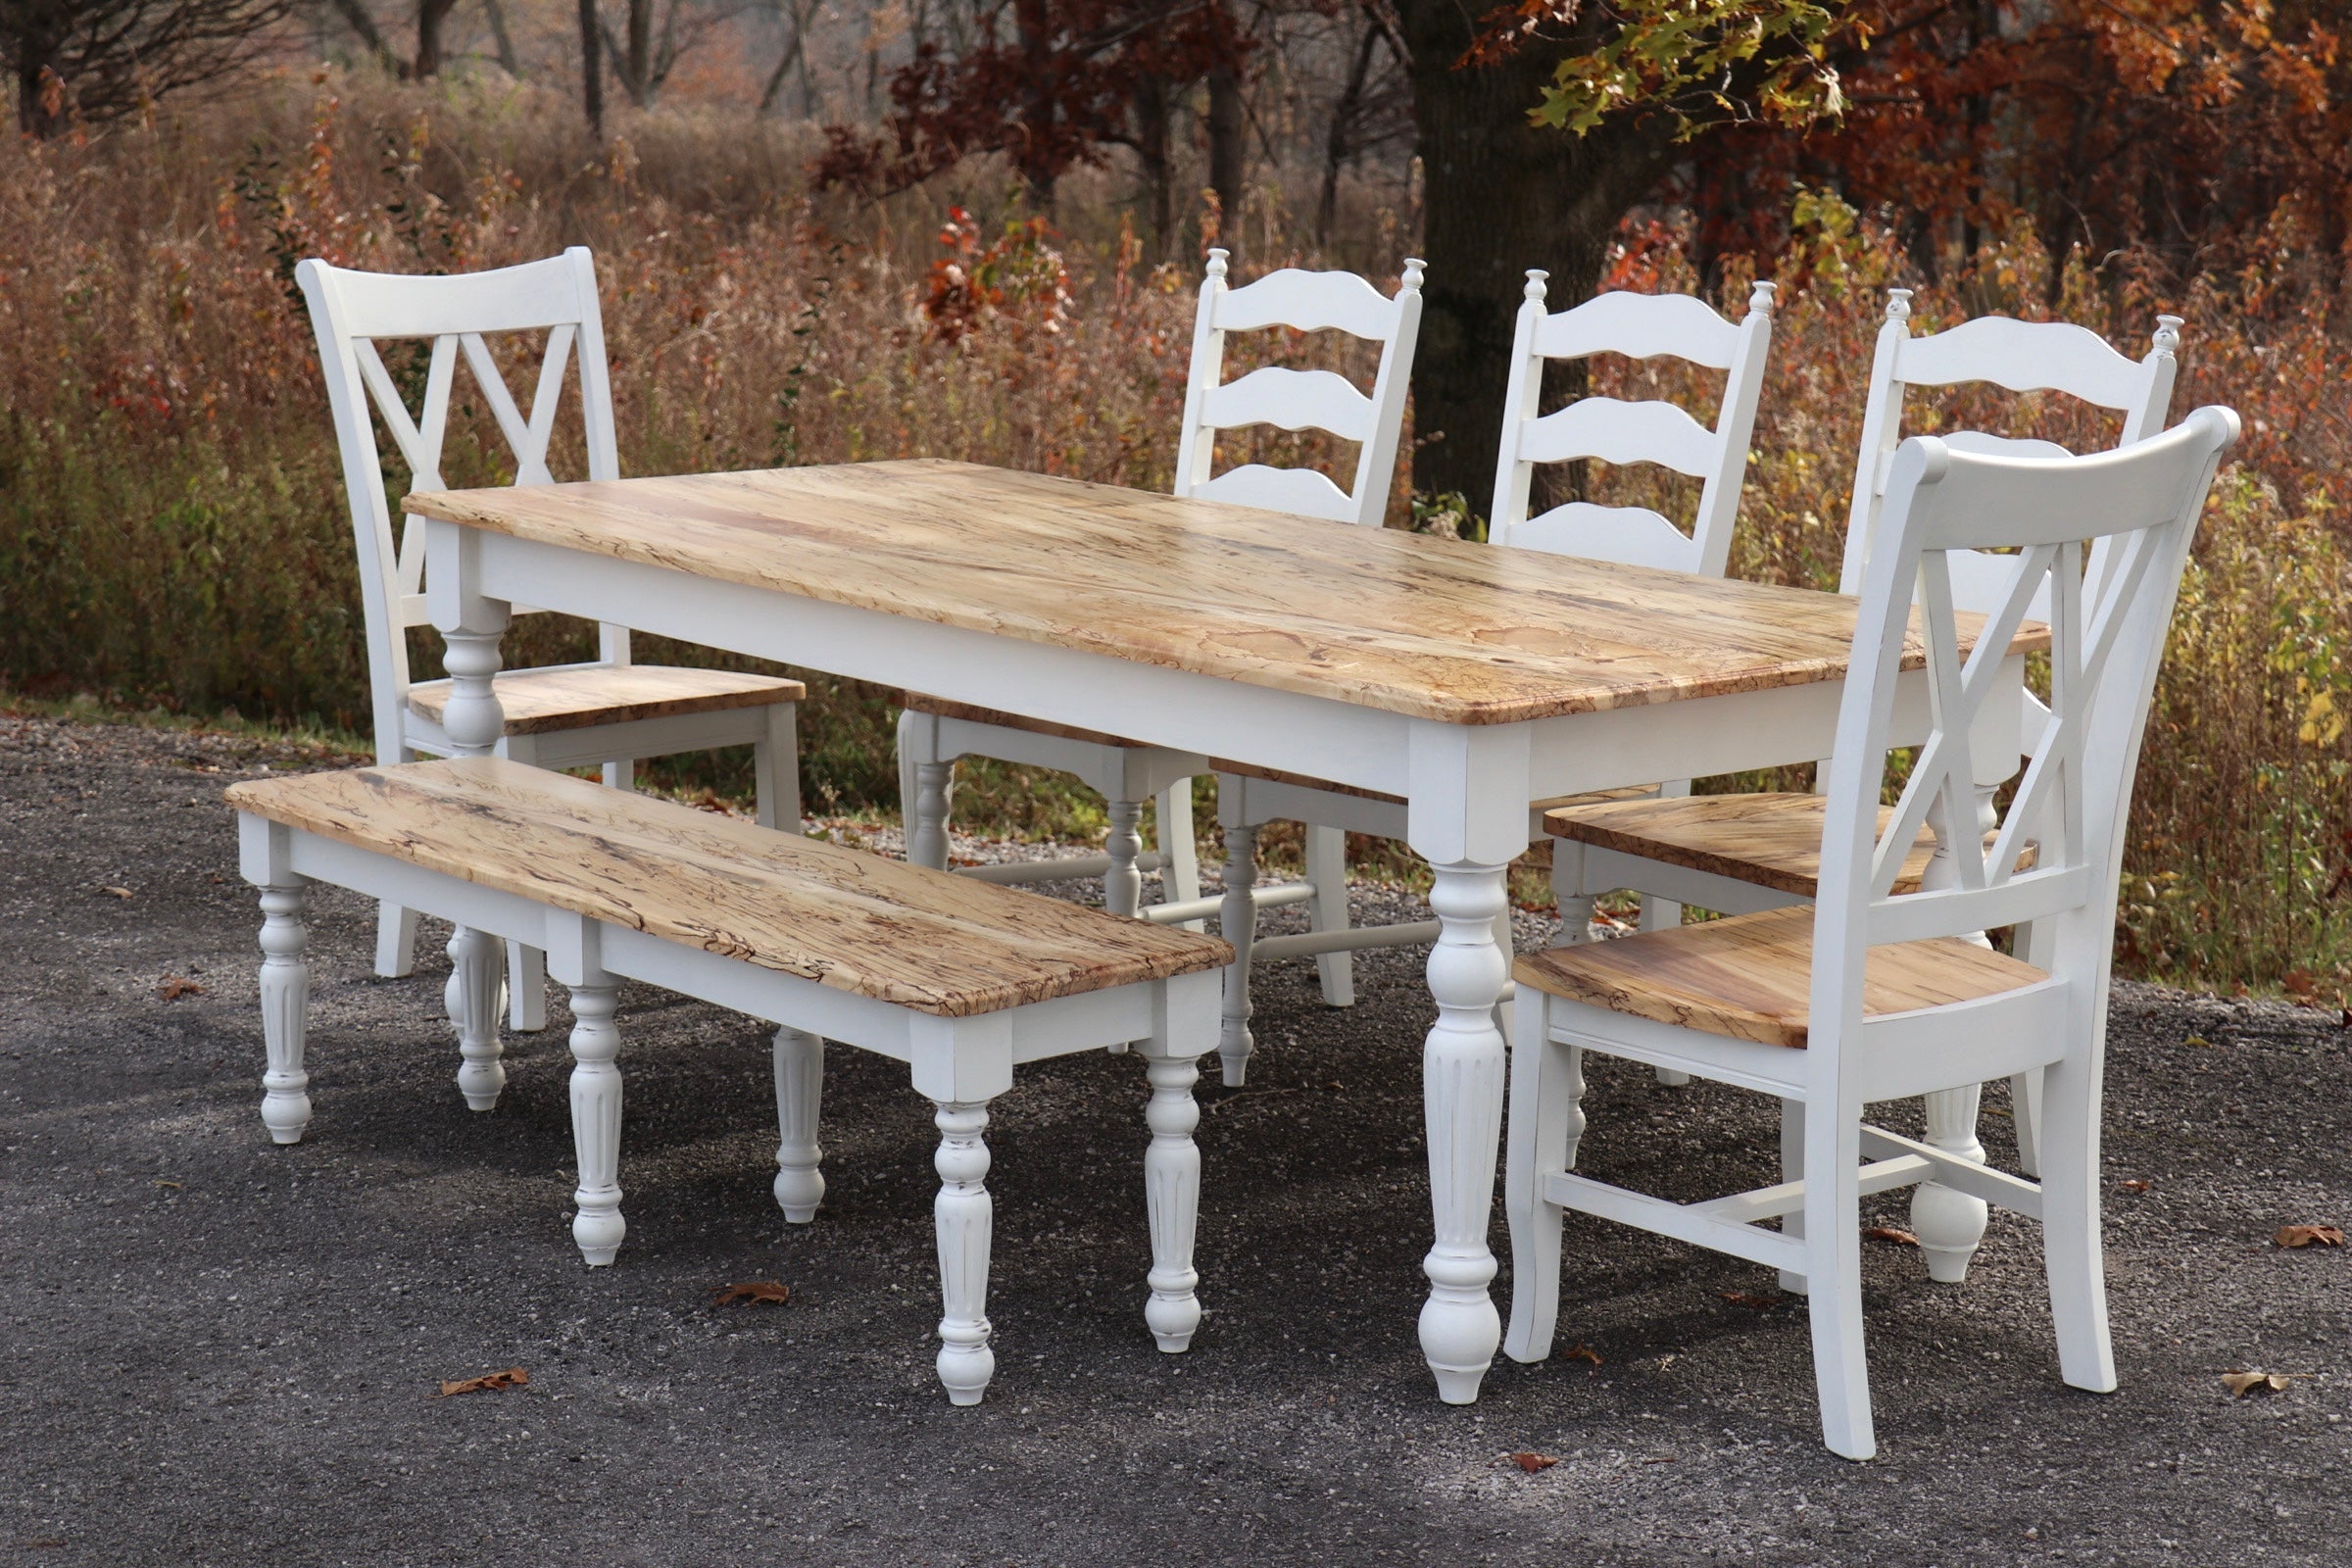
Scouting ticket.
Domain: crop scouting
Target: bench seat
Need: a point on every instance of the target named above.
(959, 979)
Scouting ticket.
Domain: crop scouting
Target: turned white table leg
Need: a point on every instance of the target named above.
(1950, 1224)
(1236, 922)
(1461, 1085)
(964, 1216)
(1123, 883)
(800, 1085)
(927, 827)
(472, 996)
(597, 1227)
(1172, 1198)
(286, 981)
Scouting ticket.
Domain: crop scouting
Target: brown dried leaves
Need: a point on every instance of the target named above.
(512, 1377)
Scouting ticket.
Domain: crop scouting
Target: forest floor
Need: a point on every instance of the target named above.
(219, 1351)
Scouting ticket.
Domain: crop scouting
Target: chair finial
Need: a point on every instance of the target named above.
(1411, 284)
(1217, 264)
(1535, 289)
(1759, 297)
(2168, 336)
(1898, 305)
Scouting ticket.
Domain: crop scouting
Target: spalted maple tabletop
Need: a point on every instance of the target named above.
(1434, 628)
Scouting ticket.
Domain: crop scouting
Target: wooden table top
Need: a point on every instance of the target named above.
(1433, 628)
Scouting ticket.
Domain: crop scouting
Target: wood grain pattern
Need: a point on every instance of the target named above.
(1433, 628)
(848, 919)
(1747, 977)
(538, 702)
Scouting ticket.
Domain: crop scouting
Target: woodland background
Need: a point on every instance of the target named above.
(834, 232)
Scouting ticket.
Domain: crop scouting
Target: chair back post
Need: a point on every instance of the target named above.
(1300, 400)
(1613, 430)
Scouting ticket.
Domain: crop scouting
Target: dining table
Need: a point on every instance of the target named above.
(1468, 680)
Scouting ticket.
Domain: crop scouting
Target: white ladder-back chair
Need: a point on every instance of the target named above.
(933, 734)
(1873, 993)
(605, 713)
(1737, 854)
(1642, 327)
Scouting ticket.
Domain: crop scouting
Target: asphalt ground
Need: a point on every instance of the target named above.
(219, 1351)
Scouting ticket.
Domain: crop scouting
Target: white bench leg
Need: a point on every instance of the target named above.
(1172, 1196)
(526, 988)
(285, 1004)
(621, 773)
(395, 941)
(927, 818)
(800, 1085)
(964, 1216)
(776, 769)
(596, 1122)
(472, 999)
(1327, 910)
(1236, 922)
(1123, 883)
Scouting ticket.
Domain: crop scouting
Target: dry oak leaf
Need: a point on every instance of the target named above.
(1762, 1303)
(512, 1377)
(767, 1293)
(172, 987)
(2241, 1383)
(2308, 1236)
(1531, 1462)
(2134, 1185)
(120, 893)
(1582, 1353)
(1888, 1233)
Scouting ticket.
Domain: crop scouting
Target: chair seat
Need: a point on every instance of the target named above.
(1771, 841)
(1750, 977)
(540, 702)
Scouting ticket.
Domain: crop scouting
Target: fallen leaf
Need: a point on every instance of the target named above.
(175, 1186)
(1582, 1352)
(1762, 1303)
(2297, 983)
(172, 987)
(1531, 1462)
(2196, 1040)
(2308, 1236)
(2241, 1383)
(1888, 1233)
(120, 893)
(763, 1291)
(2134, 1185)
(512, 1377)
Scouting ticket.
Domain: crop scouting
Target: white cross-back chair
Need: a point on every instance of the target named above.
(606, 713)
(933, 734)
(1737, 854)
(1643, 326)
(1874, 993)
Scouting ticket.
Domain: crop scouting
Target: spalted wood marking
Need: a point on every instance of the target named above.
(1749, 977)
(854, 921)
(1433, 628)
(540, 700)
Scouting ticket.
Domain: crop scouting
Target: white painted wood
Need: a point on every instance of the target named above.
(597, 1226)
(1236, 922)
(472, 999)
(1327, 911)
(285, 986)
(1172, 1198)
(2140, 507)
(351, 311)
(1304, 491)
(1621, 432)
(800, 1063)
(964, 1216)
(1290, 400)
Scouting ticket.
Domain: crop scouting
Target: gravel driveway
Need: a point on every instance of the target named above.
(223, 1352)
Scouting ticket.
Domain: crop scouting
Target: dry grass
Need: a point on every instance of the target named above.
(172, 533)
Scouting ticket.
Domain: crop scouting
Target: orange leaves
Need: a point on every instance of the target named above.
(512, 1377)
(1888, 1233)
(1756, 1303)
(760, 1292)
(1582, 1353)
(172, 987)
(2300, 1236)
(1531, 1462)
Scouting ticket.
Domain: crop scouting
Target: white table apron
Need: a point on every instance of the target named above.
(1467, 789)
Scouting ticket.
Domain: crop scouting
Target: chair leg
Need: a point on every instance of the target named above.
(621, 773)
(963, 1214)
(776, 769)
(2024, 1108)
(472, 999)
(927, 835)
(1950, 1223)
(1236, 922)
(1834, 1272)
(1663, 914)
(1547, 1123)
(2070, 1226)
(395, 941)
(1568, 894)
(285, 983)
(1793, 1169)
(1172, 1196)
(1327, 910)
(597, 1226)
(799, 1087)
(526, 988)
(1123, 883)
(1180, 850)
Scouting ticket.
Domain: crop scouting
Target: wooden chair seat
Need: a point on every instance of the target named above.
(1749, 977)
(540, 702)
(846, 918)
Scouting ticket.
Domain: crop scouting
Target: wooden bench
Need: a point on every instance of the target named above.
(958, 979)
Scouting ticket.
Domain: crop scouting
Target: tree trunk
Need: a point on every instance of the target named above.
(1503, 196)
(40, 100)
(640, 72)
(430, 15)
(1342, 141)
(371, 38)
(508, 60)
(1033, 155)
(1228, 128)
(1151, 152)
(592, 71)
